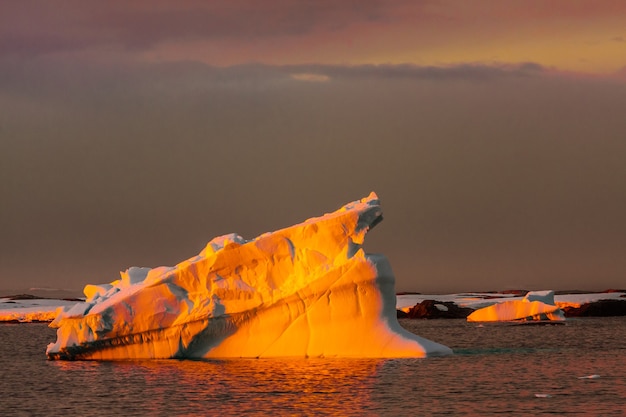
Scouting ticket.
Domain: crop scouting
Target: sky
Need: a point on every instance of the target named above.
(132, 133)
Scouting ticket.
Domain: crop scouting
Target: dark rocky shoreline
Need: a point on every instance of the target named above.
(433, 309)
(601, 308)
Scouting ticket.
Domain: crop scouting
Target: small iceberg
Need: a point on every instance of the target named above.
(536, 306)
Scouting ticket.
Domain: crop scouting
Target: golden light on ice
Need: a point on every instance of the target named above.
(308, 290)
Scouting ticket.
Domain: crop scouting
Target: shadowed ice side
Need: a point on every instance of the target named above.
(308, 290)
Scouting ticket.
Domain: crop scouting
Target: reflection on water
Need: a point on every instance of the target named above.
(512, 370)
(233, 386)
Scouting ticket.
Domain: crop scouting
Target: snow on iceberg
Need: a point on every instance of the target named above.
(535, 306)
(308, 290)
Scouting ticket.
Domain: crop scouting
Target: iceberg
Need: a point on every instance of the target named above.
(535, 306)
(308, 290)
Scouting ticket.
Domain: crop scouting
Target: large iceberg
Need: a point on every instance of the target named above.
(308, 290)
(535, 306)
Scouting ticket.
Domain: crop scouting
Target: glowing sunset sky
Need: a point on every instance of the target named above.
(133, 132)
(582, 36)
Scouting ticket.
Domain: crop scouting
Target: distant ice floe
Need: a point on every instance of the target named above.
(31, 310)
(308, 290)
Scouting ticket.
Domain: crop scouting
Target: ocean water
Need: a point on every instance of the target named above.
(576, 369)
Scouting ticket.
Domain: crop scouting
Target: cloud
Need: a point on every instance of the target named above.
(618, 39)
(39, 27)
(52, 78)
(409, 71)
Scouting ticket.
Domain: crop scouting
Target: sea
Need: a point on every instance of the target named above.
(574, 369)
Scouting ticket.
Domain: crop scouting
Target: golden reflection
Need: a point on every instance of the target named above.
(294, 386)
(245, 386)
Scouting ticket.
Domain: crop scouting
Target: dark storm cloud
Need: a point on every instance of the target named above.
(514, 181)
(35, 27)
